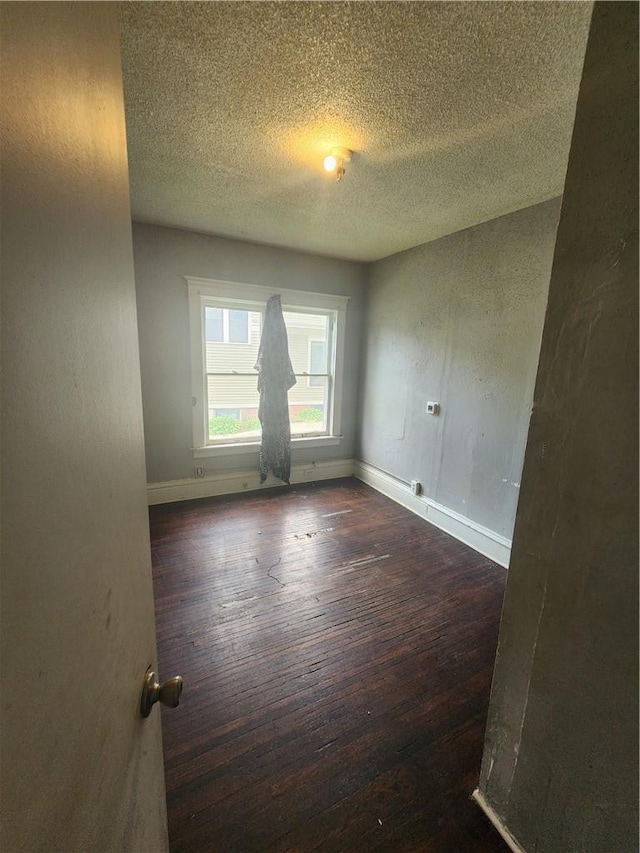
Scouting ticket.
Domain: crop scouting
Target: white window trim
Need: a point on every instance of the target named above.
(254, 446)
(203, 291)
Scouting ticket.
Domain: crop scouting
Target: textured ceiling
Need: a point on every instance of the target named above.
(457, 113)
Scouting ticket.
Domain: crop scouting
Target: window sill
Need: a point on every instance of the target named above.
(254, 446)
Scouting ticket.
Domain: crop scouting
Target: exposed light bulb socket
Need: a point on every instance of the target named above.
(334, 162)
(342, 154)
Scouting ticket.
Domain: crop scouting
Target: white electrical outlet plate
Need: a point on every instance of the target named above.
(433, 408)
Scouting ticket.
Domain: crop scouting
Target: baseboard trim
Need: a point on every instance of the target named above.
(497, 823)
(481, 539)
(233, 482)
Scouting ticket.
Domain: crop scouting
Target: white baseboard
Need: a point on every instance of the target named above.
(232, 482)
(496, 821)
(481, 539)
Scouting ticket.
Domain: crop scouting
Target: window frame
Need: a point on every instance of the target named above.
(204, 292)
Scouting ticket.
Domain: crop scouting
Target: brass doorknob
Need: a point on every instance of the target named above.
(168, 692)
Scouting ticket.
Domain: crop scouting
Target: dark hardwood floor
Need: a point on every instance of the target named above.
(337, 654)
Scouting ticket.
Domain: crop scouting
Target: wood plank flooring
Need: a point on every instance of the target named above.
(337, 654)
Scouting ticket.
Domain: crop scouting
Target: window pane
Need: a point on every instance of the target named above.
(308, 406)
(238, 327)
(225, 357)
(233, 408)
(226, 413)
(303, 328)
(317, 361)
(213, 324)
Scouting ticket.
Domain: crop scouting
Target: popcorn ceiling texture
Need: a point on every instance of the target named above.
(457, 112)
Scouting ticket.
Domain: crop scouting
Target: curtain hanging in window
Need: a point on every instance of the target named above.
(275, 377)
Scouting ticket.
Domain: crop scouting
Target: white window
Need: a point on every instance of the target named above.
(226, 325)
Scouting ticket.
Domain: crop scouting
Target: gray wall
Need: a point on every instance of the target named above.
(560, 759)
(162, 257)
(458, 321)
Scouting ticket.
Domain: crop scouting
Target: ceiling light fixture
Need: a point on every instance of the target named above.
(334, 162)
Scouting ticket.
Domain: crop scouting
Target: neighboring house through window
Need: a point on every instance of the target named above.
(317, 362)
(226, 325)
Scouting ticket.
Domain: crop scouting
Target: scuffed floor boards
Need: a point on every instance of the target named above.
(337, 655)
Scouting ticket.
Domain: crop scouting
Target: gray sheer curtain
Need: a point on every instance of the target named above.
(275, 377)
